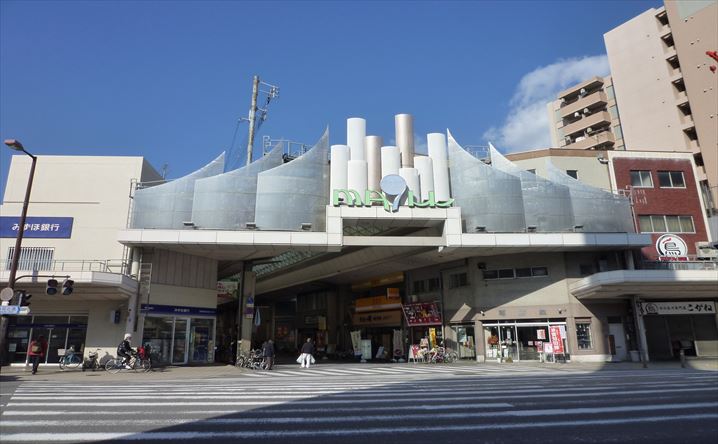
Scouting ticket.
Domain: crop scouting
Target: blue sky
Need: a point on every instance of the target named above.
(168, 79)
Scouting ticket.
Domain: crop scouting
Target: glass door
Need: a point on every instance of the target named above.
(509, 344)
(179, 345)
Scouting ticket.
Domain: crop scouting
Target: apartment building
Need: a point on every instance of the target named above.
(585, 117)
(661, 94)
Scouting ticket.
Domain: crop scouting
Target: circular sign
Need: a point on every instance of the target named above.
(393, 184)
(6, 294)
(670, 245)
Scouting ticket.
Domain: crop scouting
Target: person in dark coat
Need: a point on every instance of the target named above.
(305, 359)
(268, 354)
(124, 350)
(37, 351)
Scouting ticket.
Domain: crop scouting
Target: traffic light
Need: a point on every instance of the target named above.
(51, 288)
(67, 287)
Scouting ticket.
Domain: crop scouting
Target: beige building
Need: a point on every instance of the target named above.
(77, 206)
(666, 93)
(585, 117)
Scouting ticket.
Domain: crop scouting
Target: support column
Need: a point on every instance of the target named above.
(480, 345)
(246, 324)
(641, 329)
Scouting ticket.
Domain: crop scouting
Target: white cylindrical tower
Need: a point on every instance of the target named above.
(356, 131)
(372, 146)
(338, 168)
(390, 160)
(425, 167)
(356, 179)
(439, 158)
(404, 127)
(411, 176)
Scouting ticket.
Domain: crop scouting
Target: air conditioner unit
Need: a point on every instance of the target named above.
(589, 130)
(582, 92)
(706, 251)
(586, 111)
(577, 114)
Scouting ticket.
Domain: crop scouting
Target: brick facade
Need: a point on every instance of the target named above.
(663, 201)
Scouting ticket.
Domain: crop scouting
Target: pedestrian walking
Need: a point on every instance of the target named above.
(306, 358)
(268, 354)
(37, 351)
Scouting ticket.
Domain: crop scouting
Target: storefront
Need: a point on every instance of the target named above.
(179, 335)
(522, 340)
(378, 318)
(680, 325)
(465, 341)
(61, 332)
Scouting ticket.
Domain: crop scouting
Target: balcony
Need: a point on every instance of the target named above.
(571, 93)
(594, 141)
(595, 120)
(597, 99)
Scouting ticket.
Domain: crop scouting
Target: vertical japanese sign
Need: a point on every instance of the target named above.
(556, 340)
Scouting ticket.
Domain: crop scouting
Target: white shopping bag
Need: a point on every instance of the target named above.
(299, 359)
(312, 359)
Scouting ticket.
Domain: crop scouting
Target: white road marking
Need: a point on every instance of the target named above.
(417, 428)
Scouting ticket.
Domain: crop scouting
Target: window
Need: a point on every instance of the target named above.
(506, 273)
(532, 171)
(511, 273)
(666, 224)
(572, 173)
(539, 271)
(432, 284)
(671, 179)
(613, 110)
(618, 132)
(31, 258)
(609, 92)
(523, 272)
(641, 179)
(583, 334)
(458, 280)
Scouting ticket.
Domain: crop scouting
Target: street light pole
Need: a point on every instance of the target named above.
(4, 321)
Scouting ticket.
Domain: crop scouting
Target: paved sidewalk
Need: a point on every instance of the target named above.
(53, 373)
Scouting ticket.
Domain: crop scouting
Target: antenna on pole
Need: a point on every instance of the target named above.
(272, 93)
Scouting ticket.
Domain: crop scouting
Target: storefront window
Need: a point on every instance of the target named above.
(583, 335)
(465, 342)
(158, 333)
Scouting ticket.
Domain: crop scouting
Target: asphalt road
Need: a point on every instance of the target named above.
(355, 404)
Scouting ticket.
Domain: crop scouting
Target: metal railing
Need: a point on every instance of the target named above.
(679, 265)
(117, 266)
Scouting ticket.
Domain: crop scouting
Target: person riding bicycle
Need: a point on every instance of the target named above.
(125, 350)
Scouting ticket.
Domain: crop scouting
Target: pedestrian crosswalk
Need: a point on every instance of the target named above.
(640, 406)
(399, 370)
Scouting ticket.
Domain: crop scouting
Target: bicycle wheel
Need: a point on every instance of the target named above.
(113, 366)
(62, 362)
(73, 361)
(146, 365)
(452, 357)
(240, 362)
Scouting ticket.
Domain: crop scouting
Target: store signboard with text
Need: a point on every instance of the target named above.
(37, 227)
(556, 340)
(422, 313)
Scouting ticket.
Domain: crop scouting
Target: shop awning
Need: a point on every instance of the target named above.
(647, 284)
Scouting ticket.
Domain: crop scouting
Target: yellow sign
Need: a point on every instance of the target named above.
(391, 318)
(375, 303)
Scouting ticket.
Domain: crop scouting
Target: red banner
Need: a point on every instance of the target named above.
(422, 313)
(556, 342)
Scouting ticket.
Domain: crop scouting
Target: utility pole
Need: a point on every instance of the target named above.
(252, 115)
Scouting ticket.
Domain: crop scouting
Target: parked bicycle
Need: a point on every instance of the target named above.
(70, 359)
(116, 365)
(441, 355)
(92, 362)
(254, 360)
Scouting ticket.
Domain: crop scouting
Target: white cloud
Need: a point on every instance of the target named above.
(526, 127)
